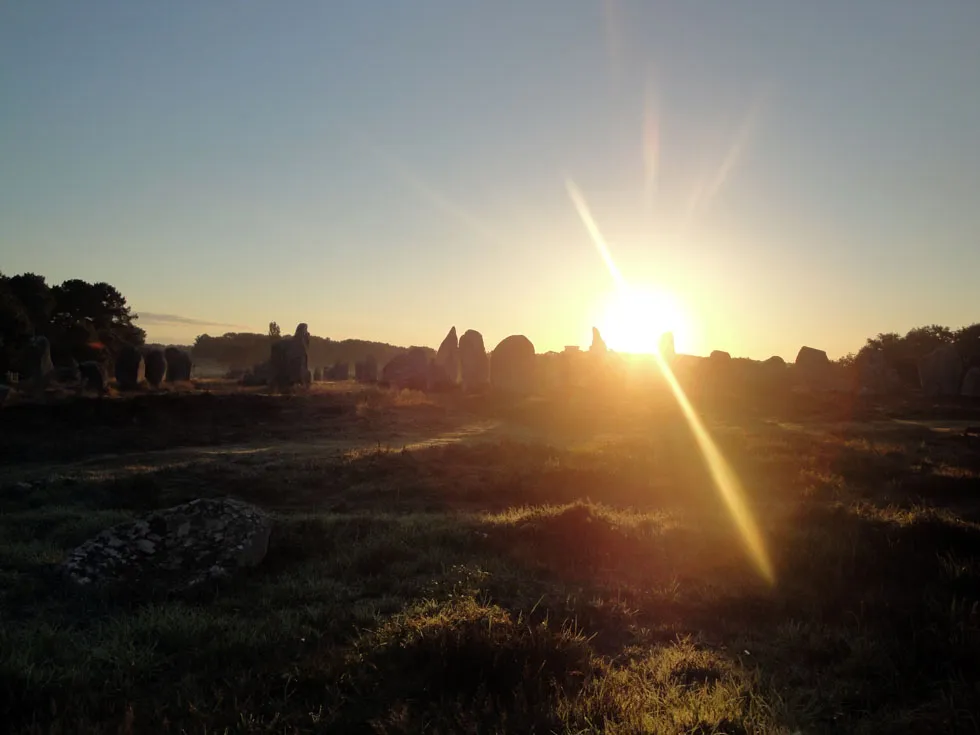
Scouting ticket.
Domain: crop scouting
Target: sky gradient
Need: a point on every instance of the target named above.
(791, 173)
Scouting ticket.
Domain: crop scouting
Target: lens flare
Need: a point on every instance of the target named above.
(725, 479)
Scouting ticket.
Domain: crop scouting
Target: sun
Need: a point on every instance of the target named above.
(634, 318)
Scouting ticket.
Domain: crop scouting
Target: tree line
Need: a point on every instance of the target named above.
(81, 320)
(244, 350)
(92, 321)
(903, 352)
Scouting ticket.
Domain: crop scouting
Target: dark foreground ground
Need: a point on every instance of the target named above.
(441, 565)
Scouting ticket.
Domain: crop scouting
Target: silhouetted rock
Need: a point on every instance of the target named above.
(719, 356)
(289, 361)
(340, 371)
(940, 372)
(812, 369)
(775, 362)
(366, 371)
(67, 374)
(598, 345)
(155, 367)
(512, 365)
(875, 376)
(971, 383)
(447, 360)
(178, 365)
(177, 547)
(408, 370)
(92, 377)
(438, 380)
(666, 347)
(130, 368)
(473, 361)
(36, 365)
(317, 374)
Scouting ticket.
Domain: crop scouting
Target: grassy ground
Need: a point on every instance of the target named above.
(441, 565)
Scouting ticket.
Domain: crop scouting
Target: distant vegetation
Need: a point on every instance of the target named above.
(83, 321)
(903, 353)
(243, 350)
(86, 321)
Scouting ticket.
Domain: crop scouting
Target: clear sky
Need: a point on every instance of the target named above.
(787, 172)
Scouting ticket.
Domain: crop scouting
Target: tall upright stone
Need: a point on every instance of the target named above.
(36, 364)
(512, 365)
(598, 346)
(289, 359)
(178, 365)
(130, 368)
(447, 359)
(156, 367)
(473, 361)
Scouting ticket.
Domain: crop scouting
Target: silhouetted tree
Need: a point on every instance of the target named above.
(87, 315)
(37, 298)
(15, 325)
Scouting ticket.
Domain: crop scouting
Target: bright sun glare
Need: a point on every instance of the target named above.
(634, 319)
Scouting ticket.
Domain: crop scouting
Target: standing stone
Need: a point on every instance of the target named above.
(92, 376)
(512, 365)
(156, 367)
(339, 371)
(875, 376)
(598, 346)
(812, 368)
(130, 368)
(971, 383)
(178, 365)
(409, 370)
(289, 359)
(447, 358)
(366, 370)
(940, 372)
(36, 362)
(473, 361)
(318, 375)
(666, 347)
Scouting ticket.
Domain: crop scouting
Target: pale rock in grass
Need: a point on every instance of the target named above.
(178, 547)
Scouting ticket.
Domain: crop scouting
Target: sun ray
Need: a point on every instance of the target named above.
(724, 478)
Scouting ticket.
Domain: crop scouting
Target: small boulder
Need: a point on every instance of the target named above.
(176, 547)
(155, 367)
(178, 365)
(473, 361)
(512, 365)
(130, 368)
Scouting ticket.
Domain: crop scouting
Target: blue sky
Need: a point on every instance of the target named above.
(788, 172)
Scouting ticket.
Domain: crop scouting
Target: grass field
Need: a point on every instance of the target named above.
(442, 565)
